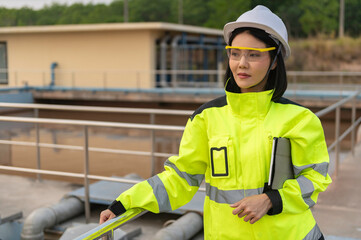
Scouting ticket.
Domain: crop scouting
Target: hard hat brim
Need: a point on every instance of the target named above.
(230, 27)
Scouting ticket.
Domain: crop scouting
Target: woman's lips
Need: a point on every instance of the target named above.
(243, 75)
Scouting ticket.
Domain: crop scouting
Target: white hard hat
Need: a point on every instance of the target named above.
(261, 17)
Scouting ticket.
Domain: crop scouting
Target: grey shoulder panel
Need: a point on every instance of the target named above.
(218, 102)
(283, 100)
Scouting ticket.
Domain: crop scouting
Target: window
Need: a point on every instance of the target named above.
(3, 63)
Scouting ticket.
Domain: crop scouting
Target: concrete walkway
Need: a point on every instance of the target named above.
(27, 194)
(338, 211)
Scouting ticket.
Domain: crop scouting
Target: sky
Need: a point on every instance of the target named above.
(38, 4)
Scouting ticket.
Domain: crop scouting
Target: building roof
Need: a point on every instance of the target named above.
(111, 27)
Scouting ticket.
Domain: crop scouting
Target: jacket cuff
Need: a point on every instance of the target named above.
(117, 207)
(276, 200)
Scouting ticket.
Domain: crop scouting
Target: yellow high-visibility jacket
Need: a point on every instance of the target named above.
(228, 143)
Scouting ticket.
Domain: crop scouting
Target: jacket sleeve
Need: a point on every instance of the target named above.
(310, 163)
(178, 183)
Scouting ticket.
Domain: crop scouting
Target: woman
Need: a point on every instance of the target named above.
(228, 143)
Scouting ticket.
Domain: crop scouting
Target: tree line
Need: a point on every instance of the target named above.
(303, 18)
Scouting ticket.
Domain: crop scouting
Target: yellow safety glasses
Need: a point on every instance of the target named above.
(251, 54)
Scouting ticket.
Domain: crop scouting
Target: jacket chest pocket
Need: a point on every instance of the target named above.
(219, 157)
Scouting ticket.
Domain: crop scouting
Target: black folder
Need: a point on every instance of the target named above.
(281, 167)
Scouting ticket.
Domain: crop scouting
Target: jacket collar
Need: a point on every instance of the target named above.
(248, 105)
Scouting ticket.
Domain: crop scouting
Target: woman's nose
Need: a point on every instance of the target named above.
(243, 63)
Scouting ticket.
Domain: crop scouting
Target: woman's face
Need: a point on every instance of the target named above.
(249, 74)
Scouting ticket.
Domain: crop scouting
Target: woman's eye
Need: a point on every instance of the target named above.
(235, 53)
(255, 54)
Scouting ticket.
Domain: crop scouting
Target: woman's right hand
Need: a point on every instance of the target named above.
(105, 216)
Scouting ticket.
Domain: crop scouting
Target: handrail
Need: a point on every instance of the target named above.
(67, 174)
(151, 112)
(348, 130)
(354, 123)
(97, 109)
(107, 228)
(178, 71)
(322, 73)
(178, 77)
(92, 123)
(336, 105)
(91, 149)
(86, 176)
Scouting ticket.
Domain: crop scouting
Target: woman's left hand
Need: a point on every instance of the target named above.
(252, 208)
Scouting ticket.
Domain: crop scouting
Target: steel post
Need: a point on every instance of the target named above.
(37, 130)
(353, 118)
(152, 121)
(337, 135)
(86, 173)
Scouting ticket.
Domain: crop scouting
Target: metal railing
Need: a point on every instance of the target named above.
(85, 124)
(106, 230)
(173, 78)
(152, 113)
(338, 138)
(85, 148)
(324, 80)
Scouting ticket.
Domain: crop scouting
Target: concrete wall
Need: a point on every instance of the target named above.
(85, 59)
(120, 55)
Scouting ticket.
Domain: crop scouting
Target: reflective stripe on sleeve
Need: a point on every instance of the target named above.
(306, 190)
(321, 168)
(229, 196)
(193, 180)
(160, 194)
(315, 233)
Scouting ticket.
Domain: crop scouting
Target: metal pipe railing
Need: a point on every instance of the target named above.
(106, 230)
(151, 112)
(86, 173)
(91, 149)
(354, 123)
(97, 109)
(178, 77)
(67, 174)
(92, 123)
(85, 125)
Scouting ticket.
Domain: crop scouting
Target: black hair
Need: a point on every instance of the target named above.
(277, 78)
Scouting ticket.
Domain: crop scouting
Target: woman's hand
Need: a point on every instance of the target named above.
(106, 215)
(252, 208)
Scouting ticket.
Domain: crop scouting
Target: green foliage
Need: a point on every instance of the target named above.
(49, 15)
(353, 17)
(195, 12)
(223, 11)
(319, 16)
(152, 11)
(303, 18)
(25, 16)
(8, 17)
(116, 11)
